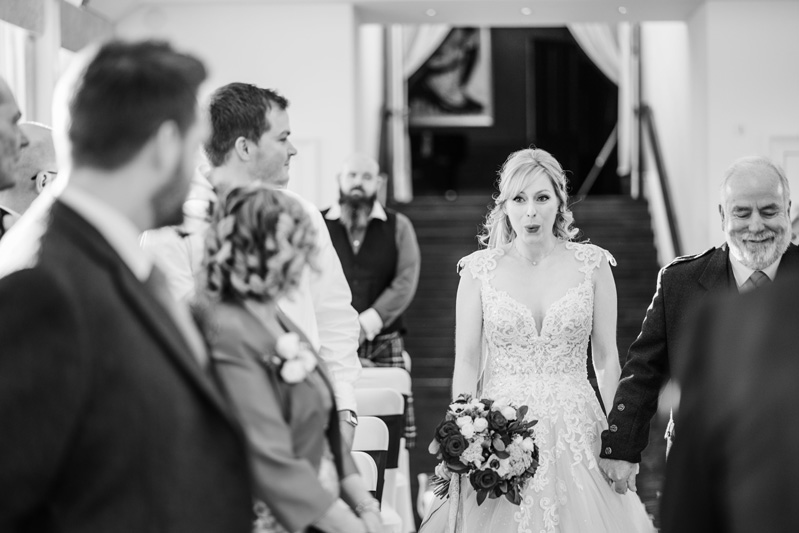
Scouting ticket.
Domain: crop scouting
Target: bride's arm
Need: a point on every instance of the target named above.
(603, 337)
(468, 335)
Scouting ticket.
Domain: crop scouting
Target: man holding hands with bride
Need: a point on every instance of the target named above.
(754, 208)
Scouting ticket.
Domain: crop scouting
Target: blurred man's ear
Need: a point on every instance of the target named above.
(43, 179)
(721, 212)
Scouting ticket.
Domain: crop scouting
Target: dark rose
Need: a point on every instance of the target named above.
(446, 429)
(454, 445)
(484, 479)
(496, 421)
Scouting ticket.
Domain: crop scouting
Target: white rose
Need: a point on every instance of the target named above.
(288, 345)
(498, 405)
(463, 420)
(528, 444)
(481, 424)
(292, 371)
(442, 471)
(509, 413)
(467, 430)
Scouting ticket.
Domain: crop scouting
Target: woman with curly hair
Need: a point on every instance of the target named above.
(526, 308)
(259, 245)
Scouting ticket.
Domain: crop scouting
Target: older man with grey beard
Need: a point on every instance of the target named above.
(12, 141)
(754, 207)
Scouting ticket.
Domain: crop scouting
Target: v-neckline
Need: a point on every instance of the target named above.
(538, 329)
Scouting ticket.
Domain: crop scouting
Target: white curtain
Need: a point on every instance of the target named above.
(410, 46)
(419, 43)
(371, 88)
(609, 49)
(12, 64)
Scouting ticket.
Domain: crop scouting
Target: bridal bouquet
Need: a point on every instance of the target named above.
(491, 443)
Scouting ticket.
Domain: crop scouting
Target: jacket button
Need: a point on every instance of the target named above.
(620, 407)
(608, 451)
(613, 428)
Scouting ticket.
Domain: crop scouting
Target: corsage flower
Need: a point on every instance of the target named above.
(296, 359)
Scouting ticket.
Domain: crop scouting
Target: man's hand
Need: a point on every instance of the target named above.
(620, 474)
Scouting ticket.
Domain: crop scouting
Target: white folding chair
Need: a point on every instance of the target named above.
(371, 437)
(368, 469)
(398, 487)
(375, 377)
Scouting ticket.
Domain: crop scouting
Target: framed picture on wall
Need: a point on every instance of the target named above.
(453, 86)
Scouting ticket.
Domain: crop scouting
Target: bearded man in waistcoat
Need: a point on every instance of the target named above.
(380, 256)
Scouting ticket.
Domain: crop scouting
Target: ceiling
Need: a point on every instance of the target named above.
(464, 12)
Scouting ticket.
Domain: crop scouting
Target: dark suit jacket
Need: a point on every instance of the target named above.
(107, 422)
(682, 285)
(734, 465)
(284, 422)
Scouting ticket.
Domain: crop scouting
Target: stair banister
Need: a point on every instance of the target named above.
(650, 132)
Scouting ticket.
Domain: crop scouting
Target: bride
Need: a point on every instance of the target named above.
(526, 308)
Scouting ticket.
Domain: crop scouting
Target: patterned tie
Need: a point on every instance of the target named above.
(159, 287)
(757, 279)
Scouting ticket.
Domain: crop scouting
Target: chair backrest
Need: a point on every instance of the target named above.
(388, 405)
(397, 379)
(368, 469)
(371, 437)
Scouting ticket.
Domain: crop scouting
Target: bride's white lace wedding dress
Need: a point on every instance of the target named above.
(546, 370)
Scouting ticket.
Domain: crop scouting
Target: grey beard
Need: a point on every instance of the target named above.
(762, 256)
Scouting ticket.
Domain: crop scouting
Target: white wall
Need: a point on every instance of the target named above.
(305, 51)
(666, 88)
(746, 93)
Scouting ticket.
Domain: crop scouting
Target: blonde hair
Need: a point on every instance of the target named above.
(519, 169)
(258, 244)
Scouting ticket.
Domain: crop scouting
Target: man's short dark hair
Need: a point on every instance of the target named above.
(238, 110)
(124, 94)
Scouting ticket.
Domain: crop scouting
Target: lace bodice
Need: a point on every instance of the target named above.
(516, 354)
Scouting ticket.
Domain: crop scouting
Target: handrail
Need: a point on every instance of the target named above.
(599, 163)
(648, 117)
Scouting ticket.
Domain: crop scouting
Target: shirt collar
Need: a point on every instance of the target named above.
(9, 211)
(378, 212)
(743, 272)
(120, 233)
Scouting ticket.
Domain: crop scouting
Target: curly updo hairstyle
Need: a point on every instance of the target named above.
(519, 169)
(258, 244)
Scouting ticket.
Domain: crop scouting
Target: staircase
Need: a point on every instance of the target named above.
(447, 231)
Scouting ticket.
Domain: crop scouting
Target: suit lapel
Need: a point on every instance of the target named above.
(149, 311)
(716, 273)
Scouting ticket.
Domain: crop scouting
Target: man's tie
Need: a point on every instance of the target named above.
(757, 279)
(159, 287)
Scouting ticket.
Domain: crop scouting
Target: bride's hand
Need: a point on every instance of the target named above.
(620, 474)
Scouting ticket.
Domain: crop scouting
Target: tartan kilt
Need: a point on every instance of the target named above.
(386, 351)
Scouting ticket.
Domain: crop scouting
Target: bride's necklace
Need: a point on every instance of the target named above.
(534, 263)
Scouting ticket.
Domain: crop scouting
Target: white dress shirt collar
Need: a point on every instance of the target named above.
(334, 213)
(743, 272)
(122, 235)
